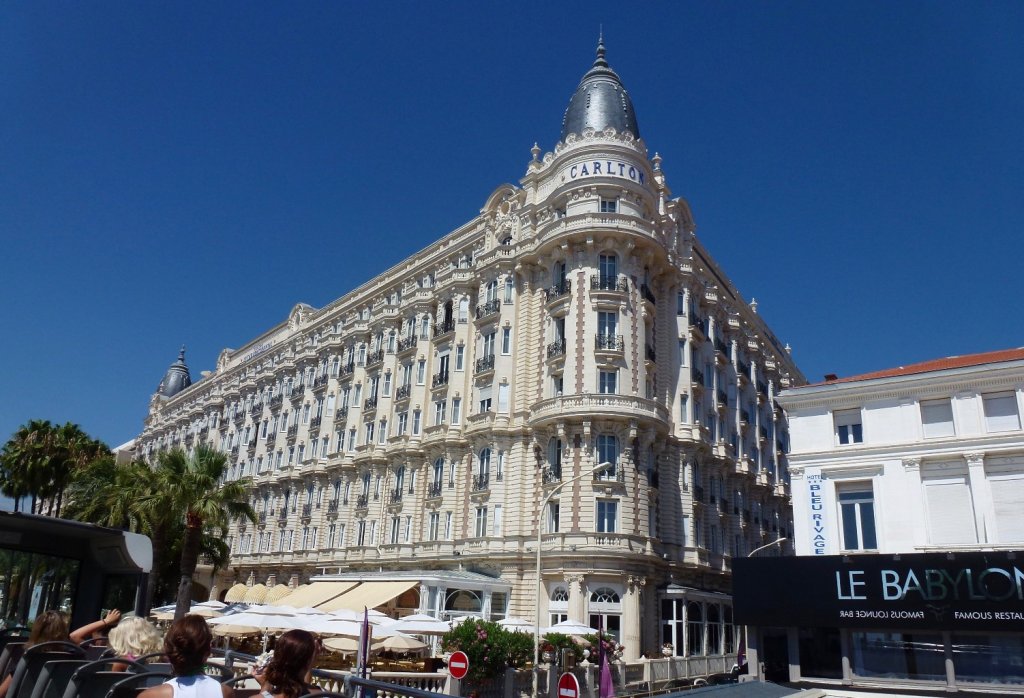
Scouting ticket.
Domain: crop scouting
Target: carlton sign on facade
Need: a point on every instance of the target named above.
(621, 169)
(981, 591)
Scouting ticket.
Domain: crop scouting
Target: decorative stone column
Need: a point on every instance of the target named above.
(981, 495)
(917, 521)
(577, 604)
(631, 617)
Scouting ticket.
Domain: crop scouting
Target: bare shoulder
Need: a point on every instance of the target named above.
(162, 691)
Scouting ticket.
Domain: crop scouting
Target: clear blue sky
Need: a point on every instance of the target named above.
(186, 172)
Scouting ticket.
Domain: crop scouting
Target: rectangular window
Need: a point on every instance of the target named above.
(509, 285)
(857, 515)
(403, 422)
(680, 303)
(553, 512)
(369, 433)
(460, 358)
(481, 522)
(439, 409)
(448, 526)
(937, 418)
(849, 427)
(456, 410)
(506, 340)
(609, 205)
(361, 533)
(487, 348)
(1001, 412)
(608, 382)
(382, 431)
(416, 422)
(387, 384)
(484, 395)
(432, 526)
(351, 439)
(607, 515)
(395, 529)
(607, 323)
(421, 371)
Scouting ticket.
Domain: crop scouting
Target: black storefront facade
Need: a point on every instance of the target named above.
(942, 621)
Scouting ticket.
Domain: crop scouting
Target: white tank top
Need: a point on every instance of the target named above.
(200, 686)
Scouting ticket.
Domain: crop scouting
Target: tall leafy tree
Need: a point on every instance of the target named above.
(71, 451)
(193, 484)
(25, 460)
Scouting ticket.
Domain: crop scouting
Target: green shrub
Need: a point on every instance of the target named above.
(490, 648)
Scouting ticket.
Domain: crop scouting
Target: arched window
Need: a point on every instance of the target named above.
(463, 309)
(606, 611)
(492, 291)
(558, 605)
(438, 472)
(695, 629)
(392, 341)
(509, 288)
(714, 630)
(484, 461)
(604, 595)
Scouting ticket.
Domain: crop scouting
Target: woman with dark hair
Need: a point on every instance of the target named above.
(187, 646)
(287, 675)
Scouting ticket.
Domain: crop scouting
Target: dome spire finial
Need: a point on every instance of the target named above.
(600, 49)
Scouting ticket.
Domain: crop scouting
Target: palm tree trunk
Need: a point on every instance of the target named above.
(60, 498)
(159, 540)
(189, 559)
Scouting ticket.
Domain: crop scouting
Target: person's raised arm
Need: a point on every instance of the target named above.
(82, 634)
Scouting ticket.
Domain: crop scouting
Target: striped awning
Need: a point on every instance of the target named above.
(236, 593)
(276, 593)
(256, 594)
(369, 595)
(315, 594)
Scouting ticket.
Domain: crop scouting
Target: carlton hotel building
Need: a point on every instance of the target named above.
(400, 442)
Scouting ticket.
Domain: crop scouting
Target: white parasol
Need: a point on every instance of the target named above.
(419, 624)
(570, 627)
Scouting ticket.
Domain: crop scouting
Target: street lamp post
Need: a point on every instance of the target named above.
(601, 467)
(746, 634)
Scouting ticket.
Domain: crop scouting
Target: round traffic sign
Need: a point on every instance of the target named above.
(458, 665)
(568, 686)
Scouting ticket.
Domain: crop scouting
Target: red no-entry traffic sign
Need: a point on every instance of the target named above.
(568, 686)
(458, 665)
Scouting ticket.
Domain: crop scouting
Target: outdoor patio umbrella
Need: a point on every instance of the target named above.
(570, 627)
(255, 620)
(419, 624)
(344, 645)
(399, 643)
(327, 626)
(516, 624)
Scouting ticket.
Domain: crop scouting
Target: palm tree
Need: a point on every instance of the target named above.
(25, 461)
(192, 484)
(72, 450)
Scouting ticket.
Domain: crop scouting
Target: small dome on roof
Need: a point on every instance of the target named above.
(600, 101)
(177, 377)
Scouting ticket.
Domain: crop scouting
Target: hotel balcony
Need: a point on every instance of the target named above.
(407, 343)
(439, 380)
(609, 284)
(558, 291)
(444, 328)
(484, 364)
(596, 405)
(556, 349)
(486, 310)
(612, 343)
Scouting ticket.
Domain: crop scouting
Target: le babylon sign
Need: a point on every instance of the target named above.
(933, 591)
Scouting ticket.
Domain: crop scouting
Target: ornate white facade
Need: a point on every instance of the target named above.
(418, 422)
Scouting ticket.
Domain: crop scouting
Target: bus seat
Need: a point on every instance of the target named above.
(31, 665)
(10, 656)
(55, 677)
(131, 684)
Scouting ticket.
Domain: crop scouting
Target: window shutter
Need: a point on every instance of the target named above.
(950, 512)
(1007, 496)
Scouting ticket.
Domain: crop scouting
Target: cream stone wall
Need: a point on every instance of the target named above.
(701, 473)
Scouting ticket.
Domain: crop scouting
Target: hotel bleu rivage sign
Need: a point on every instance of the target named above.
(933, 591)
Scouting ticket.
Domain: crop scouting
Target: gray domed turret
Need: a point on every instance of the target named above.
(176, 379)
(600, 101)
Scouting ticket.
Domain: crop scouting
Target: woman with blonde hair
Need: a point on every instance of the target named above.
(132, 638)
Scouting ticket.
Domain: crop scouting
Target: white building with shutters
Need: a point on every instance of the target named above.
(921, 458)
(907, 487)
